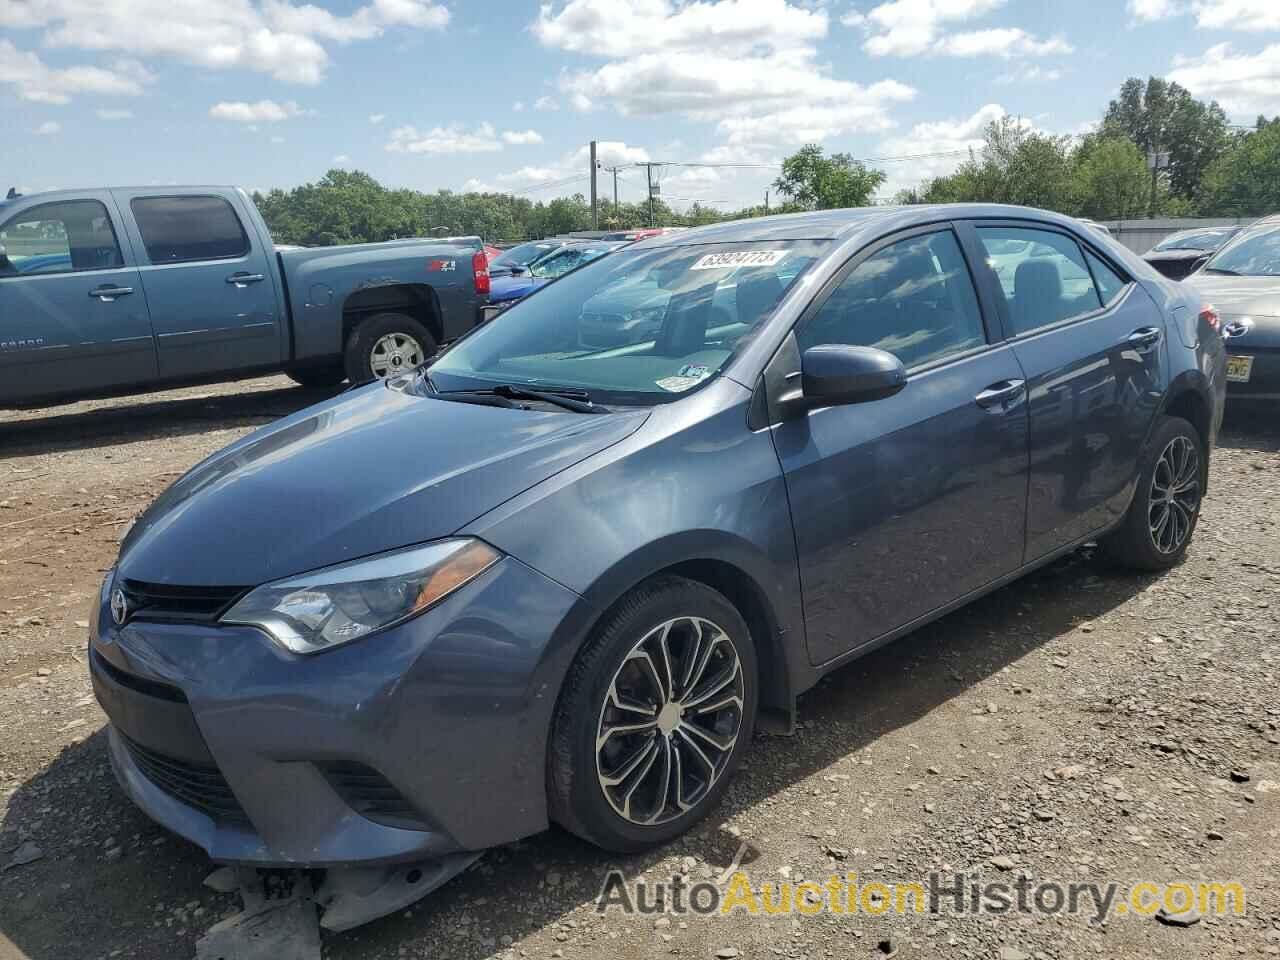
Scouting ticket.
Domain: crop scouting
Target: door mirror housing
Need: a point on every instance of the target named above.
(837, 373)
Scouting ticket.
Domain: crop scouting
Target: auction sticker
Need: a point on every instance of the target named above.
(742, 258)
(678, 384)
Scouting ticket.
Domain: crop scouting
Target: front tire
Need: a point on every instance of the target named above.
(654, 718)
(386, 345)
(1158, 528)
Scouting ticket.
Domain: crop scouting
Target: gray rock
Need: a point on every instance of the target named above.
(26, 853)
(1184, 919)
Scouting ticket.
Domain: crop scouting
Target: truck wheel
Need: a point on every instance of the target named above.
(385, 345)
(317, 377)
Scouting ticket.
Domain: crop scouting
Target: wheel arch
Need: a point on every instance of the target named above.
(417, 300)
(1188, 398)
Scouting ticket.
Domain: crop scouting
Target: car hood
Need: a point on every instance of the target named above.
(366, 472)
(1239, 296)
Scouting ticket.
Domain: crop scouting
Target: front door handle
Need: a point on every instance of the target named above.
(244, 279)
(1001, 396)
(107, 293)
(1143, 337)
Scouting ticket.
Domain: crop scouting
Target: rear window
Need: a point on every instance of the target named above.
(180, 229)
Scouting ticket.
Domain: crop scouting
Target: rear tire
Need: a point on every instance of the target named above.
(1162, 518)
(639, 755)
(386, 345)
(318, 377)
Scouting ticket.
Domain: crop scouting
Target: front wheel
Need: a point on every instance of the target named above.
(1157, 529)
(655, 716)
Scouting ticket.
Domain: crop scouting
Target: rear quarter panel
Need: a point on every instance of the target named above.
(320, 280)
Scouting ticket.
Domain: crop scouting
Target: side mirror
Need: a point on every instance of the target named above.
(832, 374)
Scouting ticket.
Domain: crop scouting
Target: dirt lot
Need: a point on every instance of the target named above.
(1076, 725)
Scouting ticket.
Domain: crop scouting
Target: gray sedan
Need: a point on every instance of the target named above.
(1243, 283)
(542, 581)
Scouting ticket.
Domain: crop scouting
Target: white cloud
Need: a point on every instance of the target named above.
(1253, 15)
(1245, 84)
(518, 107)
(114, 114)
(341, 158)
(1030, 73)
(476, 185)
(48, 128)
(909, 28)
(1145, 11)
(275, 37)
(751, 66)
(546, 104)
(35, 81)
(1000, 42)
(264, 111)
(522, 137)
(377, 118)
(443, 140)
(277, 139)
(936, 147)
(609, 153)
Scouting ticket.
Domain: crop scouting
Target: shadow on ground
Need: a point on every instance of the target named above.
(128, 419)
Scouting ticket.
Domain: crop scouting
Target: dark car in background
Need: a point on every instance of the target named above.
(1183, 253)
(1242, 281)
(514, 282)
(574, 588)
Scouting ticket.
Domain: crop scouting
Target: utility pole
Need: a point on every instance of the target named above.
(595, 209)
(648, 174)
(1157, 161)
(766, 203)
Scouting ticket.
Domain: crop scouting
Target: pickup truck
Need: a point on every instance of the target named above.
(123, 290)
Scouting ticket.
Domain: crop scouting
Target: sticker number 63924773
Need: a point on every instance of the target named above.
(741, 258)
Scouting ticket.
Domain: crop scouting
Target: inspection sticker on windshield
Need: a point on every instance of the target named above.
(743, 258)
(678, 384)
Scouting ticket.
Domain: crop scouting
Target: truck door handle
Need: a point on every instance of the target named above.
(1143, 337)
(244, 279)
(1000, 396)
(106, 293)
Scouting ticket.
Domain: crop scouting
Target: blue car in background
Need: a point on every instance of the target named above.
(519, 257)
(516, 282)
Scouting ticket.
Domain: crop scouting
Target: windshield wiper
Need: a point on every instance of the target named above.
(579, 401)
(1223, 270)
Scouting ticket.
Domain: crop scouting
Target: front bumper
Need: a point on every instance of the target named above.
(419, 742)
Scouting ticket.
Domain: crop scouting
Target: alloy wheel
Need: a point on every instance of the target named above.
(1175, 495)
(670, 721)
(393, 354)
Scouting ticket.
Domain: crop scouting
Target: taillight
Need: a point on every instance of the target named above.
(1210, 316)
(480, 266)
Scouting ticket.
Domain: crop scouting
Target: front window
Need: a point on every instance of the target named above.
(640, 326)
(1257, 255)
(61, 237)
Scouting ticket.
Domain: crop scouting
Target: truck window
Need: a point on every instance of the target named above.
(61, 237)
(179, 229)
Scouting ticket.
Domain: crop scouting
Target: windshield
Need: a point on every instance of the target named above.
(523, 255)
(1253, 255)
(640, 326)
(1204, 240)
(562, 261)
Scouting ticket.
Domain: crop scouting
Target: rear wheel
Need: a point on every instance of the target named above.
(1157, 529)
(654, 718)
(386, 345)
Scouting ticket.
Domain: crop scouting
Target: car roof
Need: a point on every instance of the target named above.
(839, 224)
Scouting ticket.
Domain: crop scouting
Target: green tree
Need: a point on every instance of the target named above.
(1245, 180)
(1015, 166)
(814, 181)
(1111, 180)
(1161, 116)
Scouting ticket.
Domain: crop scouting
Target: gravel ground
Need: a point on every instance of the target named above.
(1076, 725)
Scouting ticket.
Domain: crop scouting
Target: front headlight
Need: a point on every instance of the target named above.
(335, 605)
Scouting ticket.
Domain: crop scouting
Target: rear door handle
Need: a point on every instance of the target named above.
(999, 397)
(106, 293)
(244, 279)
(1143, 337)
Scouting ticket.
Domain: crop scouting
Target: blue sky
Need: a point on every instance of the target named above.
(505, 94)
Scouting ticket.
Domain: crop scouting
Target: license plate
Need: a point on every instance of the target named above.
(1239, 369)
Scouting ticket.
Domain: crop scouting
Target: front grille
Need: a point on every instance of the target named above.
(170, 602)
(371, 795)
(197, 786)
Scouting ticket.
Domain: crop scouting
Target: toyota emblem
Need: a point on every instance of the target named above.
(119, 607)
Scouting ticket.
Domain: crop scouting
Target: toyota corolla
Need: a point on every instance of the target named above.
(544, 581)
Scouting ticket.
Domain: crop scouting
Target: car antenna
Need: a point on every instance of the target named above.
(13, 194)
